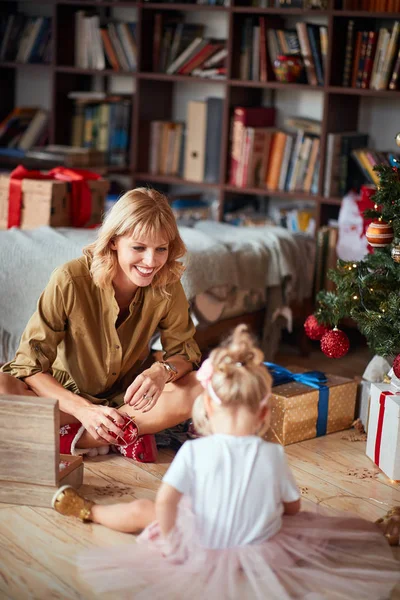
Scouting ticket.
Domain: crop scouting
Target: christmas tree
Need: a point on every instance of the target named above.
(367, 291)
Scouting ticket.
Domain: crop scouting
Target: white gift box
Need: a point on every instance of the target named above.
(383, 441)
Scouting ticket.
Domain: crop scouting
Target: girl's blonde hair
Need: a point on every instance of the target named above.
(140, 212)
(239, 376)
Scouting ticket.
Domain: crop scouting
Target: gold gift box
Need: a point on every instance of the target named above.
(294, 409)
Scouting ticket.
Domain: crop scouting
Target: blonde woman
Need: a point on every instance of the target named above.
(87, 341)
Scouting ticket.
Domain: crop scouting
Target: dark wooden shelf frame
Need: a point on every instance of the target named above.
(154, 91)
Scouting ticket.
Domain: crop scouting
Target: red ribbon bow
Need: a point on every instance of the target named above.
(81, 197)
(378, 439)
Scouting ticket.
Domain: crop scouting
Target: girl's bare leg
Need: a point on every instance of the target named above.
(128, 518)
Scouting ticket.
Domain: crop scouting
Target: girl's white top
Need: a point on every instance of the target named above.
(236, 485)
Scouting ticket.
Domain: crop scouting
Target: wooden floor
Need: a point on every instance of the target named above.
(38, 547)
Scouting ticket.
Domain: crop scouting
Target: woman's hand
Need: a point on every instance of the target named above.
(144, 392)
(99, 421)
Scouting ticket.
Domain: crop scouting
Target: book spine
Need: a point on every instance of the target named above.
(395, 79)
(369, 60)
(363, 50)
(215, 108)
(348, 54)
(306, 53)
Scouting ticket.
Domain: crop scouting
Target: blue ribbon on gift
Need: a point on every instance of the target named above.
(314, 379)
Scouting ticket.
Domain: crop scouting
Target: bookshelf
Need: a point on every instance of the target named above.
(154, 92)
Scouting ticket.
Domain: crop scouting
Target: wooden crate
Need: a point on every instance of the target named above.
(31, 468)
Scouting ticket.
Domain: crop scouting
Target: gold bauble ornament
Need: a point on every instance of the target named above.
(395, 253)
(397, 138)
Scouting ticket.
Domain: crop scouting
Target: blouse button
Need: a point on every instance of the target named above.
(113, 373)
(117, 347)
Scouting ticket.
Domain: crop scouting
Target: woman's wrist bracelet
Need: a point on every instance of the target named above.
(171, 370)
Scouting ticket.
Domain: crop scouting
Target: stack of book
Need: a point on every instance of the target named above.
(102, 122)
(25, 39)
(182, 49)
(166, 142)
(22, 129)
(112, 46)
(372, 58)
(265, 157)
(262, 42)
(391, 6)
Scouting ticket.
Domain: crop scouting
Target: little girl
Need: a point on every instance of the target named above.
(226, 521)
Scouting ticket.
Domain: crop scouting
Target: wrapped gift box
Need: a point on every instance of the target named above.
(300, 412)
(383, 441)
(48, 202)
(375, 372)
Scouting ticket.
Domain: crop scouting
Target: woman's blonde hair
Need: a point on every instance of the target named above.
(239, 376)
(142, 212)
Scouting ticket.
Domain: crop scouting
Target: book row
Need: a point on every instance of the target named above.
(192, 149)
(372, 58)
(183, 49)
(104, 46)
(262, 43)
(103, 125)
(23, 128)
(25, 39)
(263, 156)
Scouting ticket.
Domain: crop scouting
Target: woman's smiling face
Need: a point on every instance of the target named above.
(139, 257)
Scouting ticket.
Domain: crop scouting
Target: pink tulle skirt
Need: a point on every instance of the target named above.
(313, 557)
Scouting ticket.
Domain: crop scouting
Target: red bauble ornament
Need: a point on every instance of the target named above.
(396, 366)
(379, 234)
(313, 329)
(335, 343)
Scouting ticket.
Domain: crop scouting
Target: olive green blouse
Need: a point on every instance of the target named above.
(72, 334)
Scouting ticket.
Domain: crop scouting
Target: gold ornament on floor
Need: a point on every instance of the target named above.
(397, 138)
(395, 253)
(379, 234)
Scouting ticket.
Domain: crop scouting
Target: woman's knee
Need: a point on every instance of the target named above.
(13, 386)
